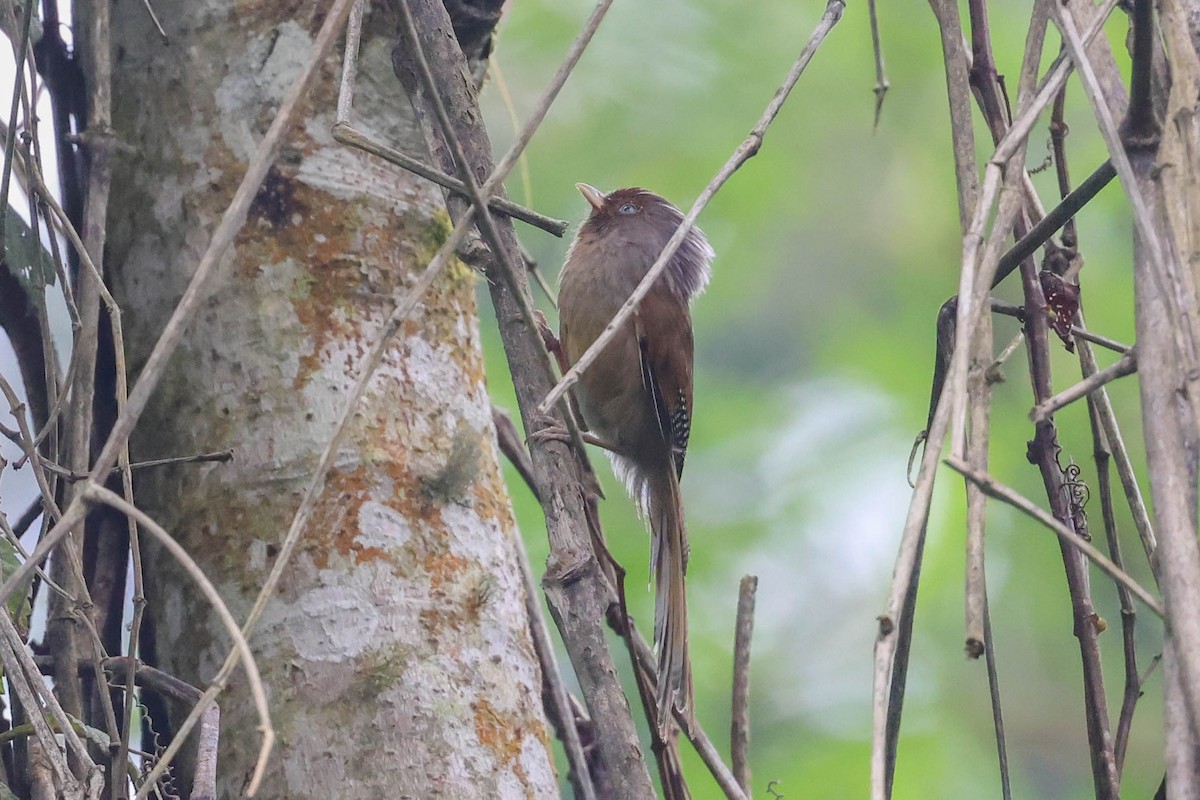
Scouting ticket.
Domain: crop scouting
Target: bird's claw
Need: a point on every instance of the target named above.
(552, 431)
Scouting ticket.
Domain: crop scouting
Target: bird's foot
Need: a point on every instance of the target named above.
(554, 431)
(551, 431)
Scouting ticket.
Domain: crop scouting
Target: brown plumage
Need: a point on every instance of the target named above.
(636, 397)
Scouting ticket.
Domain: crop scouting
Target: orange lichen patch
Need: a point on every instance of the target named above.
(502, 734)
(491, 498)
(442, 567)
(323, 308)
(334, 524)
(435, 619)
(408, 495)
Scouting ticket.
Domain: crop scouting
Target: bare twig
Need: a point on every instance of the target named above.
(220, 456)
(999, 491)
(510, 445)
(739, 735)
(958, 92)
(1062, 214)
(1133, 689)
(352, 137)
(746, 150)
(1077, 331)
(997, 709)
(881, 81)
(1126, 365)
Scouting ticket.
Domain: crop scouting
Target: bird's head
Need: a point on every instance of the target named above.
(640, 223)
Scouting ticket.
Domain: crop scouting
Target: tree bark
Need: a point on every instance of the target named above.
(397, 656)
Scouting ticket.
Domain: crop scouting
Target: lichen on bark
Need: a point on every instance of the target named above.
(397, 654)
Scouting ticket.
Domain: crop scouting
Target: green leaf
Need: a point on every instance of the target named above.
(18, 605)
(24, 254)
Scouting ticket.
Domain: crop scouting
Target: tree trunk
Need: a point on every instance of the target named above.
(397, 655)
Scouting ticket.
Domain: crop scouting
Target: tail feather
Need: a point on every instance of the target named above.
(659, 501)
(670, 551)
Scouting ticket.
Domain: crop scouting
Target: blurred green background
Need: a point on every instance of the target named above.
(836, 246)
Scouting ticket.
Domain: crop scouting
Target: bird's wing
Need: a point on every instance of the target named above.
(664, 331)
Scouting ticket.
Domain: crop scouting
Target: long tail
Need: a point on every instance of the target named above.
(669, 553)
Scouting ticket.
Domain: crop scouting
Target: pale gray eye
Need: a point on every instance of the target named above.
(628, 208)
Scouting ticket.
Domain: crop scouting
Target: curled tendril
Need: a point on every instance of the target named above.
(167, 788)
(1078, 494)
(773, 791)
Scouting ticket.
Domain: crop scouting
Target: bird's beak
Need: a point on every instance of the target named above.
(593, 195)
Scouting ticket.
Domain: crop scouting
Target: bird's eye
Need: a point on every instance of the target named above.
(628, 208)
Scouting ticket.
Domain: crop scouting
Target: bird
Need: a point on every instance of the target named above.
(635, 400)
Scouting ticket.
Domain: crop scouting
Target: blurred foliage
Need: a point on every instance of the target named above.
(836, 246)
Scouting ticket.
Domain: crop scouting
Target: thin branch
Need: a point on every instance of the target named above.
(739, 734)
(23, 689)
(958, 94)
(1120, 453)
(28, 517)
(352, 137)
(10, 143)
(999, 491)
(1077, 331)
(994, 697)
(1126, 365)
(1050, 224)
(745, 151)
(220, 456)
(510, 445)
(559, 707)
(1133, 689)
(881, 81)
